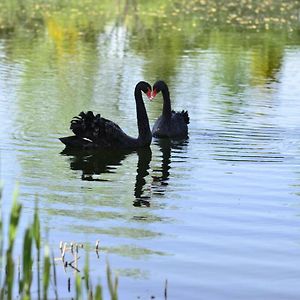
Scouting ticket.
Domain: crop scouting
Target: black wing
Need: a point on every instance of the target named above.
(94, 127)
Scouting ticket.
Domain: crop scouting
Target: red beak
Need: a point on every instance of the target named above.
(149, 94)
(153, 94)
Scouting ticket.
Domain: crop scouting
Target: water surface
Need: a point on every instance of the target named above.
(216, 215)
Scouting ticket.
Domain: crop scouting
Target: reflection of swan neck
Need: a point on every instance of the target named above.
(166, 160)
(143, 165)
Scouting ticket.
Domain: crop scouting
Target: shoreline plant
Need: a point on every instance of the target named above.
(16, 278)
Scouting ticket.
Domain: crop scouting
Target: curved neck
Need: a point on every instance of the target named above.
(167, 102)
(145, 135)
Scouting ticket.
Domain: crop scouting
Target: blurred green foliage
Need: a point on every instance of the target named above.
(160, 30)
(190, 16)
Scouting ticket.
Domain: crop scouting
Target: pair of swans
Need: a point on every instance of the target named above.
(95, 132)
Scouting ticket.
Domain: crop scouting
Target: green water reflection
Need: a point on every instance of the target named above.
(58, 58)
(70, 79)
(64, 35)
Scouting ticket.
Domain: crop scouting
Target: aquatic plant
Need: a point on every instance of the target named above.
(21, 275)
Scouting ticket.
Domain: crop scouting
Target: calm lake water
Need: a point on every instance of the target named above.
(218, 215)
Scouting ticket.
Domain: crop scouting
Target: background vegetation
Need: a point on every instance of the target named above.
(89, 15)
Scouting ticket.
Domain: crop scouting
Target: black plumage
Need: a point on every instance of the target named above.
(94, 131)
(170, 124)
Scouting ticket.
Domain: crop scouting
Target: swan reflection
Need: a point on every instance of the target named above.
(166, 147)
(143, 166)
(94, 163)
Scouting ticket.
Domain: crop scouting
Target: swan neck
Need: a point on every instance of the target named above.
(167, 102)
(145, 135)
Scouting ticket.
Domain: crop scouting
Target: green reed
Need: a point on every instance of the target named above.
(22, 274)
(1, 237)
(7, 287)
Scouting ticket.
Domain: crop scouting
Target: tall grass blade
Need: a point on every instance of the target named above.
(54, 277)
(37, 238)
(1, 238)
(10, 266)
(36, 227)
(98, 292)
(27, 264)
(111, 286)
(9, 279)
(109, 281)
(115, 296)
(86, 272)
(14, 220)
(1, 246)
(46, 272)
(78, 286)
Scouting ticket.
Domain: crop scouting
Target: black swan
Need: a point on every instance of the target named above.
(170, 124)
(94, 132)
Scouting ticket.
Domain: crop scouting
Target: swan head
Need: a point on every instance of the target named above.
(158, 86)
(145, 87)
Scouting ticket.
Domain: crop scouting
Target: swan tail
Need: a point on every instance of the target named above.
(186, 117)
(92, 131)
(87, 125)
